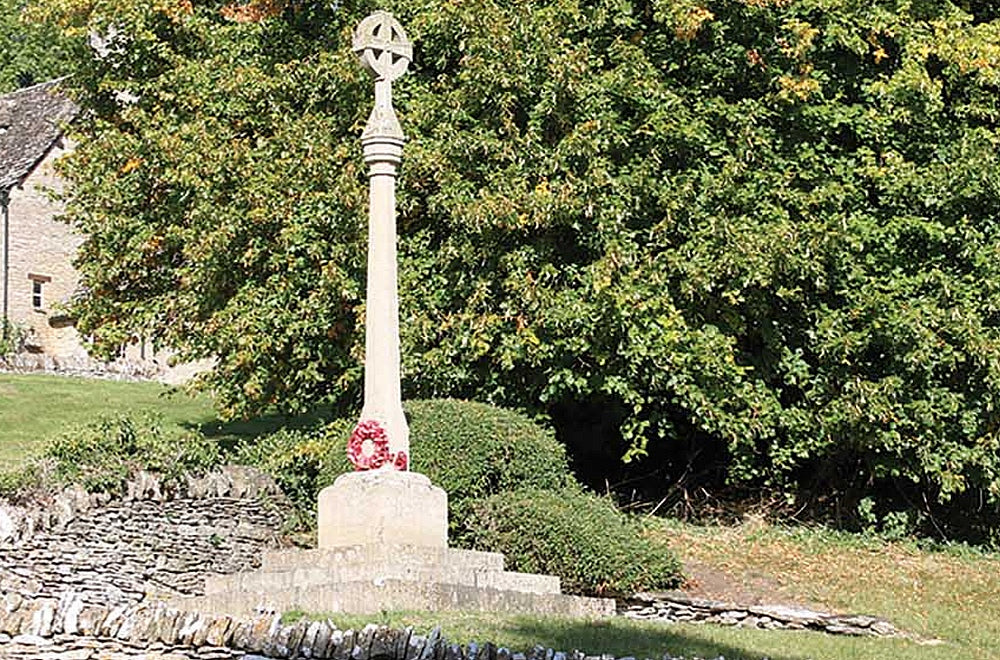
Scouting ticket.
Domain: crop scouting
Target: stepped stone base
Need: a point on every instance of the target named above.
(369, 561)
(368, 579)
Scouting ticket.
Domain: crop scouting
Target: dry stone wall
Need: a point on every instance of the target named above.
(122, 553)
(81, 366)
(69, 629)
(54, 512)
(156, 541)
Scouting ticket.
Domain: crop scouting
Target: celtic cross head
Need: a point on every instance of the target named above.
(381, 43)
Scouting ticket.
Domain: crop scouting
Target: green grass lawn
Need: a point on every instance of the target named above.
(34, 408)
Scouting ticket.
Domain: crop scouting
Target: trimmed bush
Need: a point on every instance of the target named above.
(579, 536)
(474, 450)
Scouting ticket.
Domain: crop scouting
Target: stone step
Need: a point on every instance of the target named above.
(288, 569)
(468, 560)
(370, 597)
(263, 581)
(526, 582)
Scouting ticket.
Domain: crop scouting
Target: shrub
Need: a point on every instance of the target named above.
(302, 462)
(474, 450)
(17, 483)
(100, 456)
(582, 538)
(12, 337)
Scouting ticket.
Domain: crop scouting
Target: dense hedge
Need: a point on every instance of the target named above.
(578, 536)
(759, 231)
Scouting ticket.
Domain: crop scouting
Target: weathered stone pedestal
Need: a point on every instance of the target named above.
(383, 546)
(382, 507)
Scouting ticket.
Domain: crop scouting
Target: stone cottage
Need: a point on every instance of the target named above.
(37, 250)
(37, 278)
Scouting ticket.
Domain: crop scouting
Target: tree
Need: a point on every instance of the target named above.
(29, 52)
(763, 227)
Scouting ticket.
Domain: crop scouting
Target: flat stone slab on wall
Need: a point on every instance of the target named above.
(678, 608)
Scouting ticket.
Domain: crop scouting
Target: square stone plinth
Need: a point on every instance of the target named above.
(382, 507)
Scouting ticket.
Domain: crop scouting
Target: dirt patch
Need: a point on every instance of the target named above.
(748, 588)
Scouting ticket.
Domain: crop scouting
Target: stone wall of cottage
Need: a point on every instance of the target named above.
(42, 250)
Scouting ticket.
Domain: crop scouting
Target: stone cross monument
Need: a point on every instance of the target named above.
(382, 501)
(382, 439)
(383, 529)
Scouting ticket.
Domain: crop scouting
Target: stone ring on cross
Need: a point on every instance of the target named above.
(381, 43)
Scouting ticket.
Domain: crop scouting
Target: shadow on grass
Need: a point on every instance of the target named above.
(616, 636)
(623, 639)
(230, 434)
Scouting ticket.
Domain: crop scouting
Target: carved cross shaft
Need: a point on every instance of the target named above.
(381, 43)
(381, 439)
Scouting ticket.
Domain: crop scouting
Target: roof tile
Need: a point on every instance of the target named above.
(31, 121)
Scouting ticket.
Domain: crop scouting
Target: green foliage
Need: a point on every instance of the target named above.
(764, 228)
(16, 482)
(102, 455)
(11, 337)
(473, 450)
(301, 461)
(582, 538)
(31, 52)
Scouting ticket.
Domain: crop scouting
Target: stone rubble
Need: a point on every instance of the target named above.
(676, 608)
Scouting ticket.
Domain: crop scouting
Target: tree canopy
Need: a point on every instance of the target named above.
(765, 227)
(31, 52)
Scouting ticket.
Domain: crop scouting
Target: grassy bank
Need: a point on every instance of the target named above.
(951, 593)
(33, 408)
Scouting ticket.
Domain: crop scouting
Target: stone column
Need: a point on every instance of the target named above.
(382, 45)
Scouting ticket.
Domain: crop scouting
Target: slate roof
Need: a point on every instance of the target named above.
(30, 123)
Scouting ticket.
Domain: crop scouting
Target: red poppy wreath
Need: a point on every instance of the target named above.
(368, 448)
